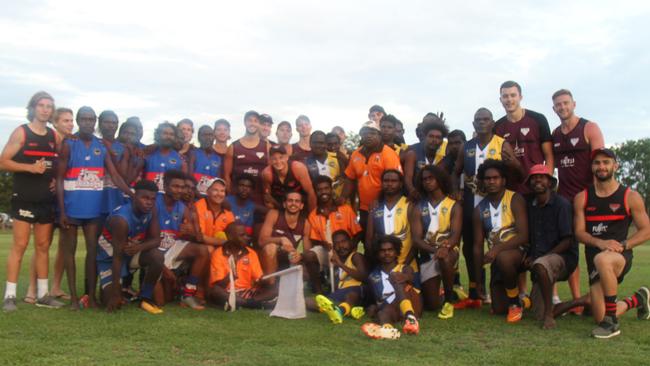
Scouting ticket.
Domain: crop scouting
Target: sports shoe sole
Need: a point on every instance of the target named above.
(376, 331)
(46, 306)
(614, 334)
(326, 306)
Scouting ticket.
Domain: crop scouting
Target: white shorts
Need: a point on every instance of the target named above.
(429, 269)
(172, 254)
(323, 256)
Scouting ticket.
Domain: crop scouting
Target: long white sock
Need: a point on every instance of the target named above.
(41, 287)
(10, 290)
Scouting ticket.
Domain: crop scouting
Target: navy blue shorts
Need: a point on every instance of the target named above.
(340, 294)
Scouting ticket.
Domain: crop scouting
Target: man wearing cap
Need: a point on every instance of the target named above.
(284, 176)
(266, 126)
(553, 251)
(573, 141)
(603, 214)
(366, 166)
(249, 155)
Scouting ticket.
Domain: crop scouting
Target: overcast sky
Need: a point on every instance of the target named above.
(329, 60)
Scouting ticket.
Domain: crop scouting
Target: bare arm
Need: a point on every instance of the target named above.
(119, 230)
(547, 150)
(266, 233)
(191, 161)
(15, 143)
(302, 175)
(306, 240)
(640, 218)
(594, 136)
(455, 175)
(116, 177)
(360, 273)
(61, 168)
(579, 223)
(409, 172)
(227, 168)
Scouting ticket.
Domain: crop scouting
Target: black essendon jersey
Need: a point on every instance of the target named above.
(30, 187)
(607, 218)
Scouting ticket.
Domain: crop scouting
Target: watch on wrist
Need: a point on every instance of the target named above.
(624, 244)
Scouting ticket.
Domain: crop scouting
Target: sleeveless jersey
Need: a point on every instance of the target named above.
(83, 184)
(169, 221)
(245, 214)
(607, 218)
(30, 187)
(330, 168)
(280, 189)
(381, 286)
(344, 279)
(573, 160)
(394, 222)
(526, 137)
(421, 159)
(436, 223)
(295, 235)
(138, 226)
(474, 156)
(207, 166)
(156, 164)
(112, 196)
(298, 153)
(498, 222)
(251, 161)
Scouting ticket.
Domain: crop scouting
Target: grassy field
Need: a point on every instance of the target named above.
(37, 336)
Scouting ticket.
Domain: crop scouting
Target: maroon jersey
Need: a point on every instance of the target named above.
(526, 137)
(295, 235)
(251, 161)
(298, 153)
(573, 160)
(280, 189)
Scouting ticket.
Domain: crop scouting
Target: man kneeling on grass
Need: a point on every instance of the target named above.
(350, 272)
(397, 299)
(553, 251)
(130, 240)
(236, 264)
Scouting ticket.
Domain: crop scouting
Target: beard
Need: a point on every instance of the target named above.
(606, 177)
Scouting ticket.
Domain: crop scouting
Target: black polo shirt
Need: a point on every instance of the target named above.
(548, 225)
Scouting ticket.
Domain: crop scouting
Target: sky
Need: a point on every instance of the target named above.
(331, 61)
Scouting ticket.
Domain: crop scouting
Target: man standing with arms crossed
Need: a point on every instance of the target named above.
(525, 130)
(29, 154)
(573, 141)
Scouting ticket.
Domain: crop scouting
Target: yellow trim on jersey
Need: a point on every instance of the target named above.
(345, 280)
(441, 152)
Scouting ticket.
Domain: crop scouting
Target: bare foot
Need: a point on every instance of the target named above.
(549, 323)
(58, 293)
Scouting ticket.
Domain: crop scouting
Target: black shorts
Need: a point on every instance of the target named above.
(594, 276)
(33, 212)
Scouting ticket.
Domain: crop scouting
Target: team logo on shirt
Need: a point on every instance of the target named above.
(492, 152)
(172, 161)
(445, 210)
(97, 151)
(599, 229)
(486, 214)
(505, 135)
(51, 145)
(471, 152)
(215, 164)
(399, 211)
(331, 163)
(524, 131)
(614, 206)
(574, 141)
(379, 213)
(259, 155)
(338, 216)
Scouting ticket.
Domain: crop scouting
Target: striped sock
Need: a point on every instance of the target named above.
(632, 301)
(190, 286)
(610, 306)
(345, 307)
(513, 295)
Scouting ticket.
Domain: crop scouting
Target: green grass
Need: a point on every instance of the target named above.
(37, 336)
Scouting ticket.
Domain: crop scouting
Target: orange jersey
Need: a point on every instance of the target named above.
(248, 268)
(368, 173)
(344, 218)
(210, 225)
